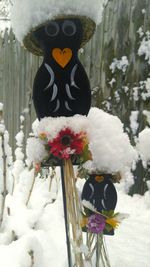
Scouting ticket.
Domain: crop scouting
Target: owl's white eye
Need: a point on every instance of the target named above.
(69, 28)
(52, 29)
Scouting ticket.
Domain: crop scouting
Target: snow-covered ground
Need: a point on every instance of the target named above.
(33, 232)
(130, 246)
(40, 228)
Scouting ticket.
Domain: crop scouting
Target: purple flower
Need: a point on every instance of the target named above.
(96, 223)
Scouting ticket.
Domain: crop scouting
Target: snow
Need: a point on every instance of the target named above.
(107, 140)
(144, 49)
(33, 230)
(19, 138)
(140, 32)
(35, 150)
(130, 246)
(35, 125)
(113, 80)
(110, 146)
(143, 11)
(27, 14)
(52, 126)
(40, 228)
(1, 106)
(18, 165)
(121, 64)
(134, 124)
(147, 86)
(4, 15)
(5, 9)
(144, 144)
(22, 118)
(147, 114)
(142, 91)
(33, 226)
(4, 142)
(4, 25)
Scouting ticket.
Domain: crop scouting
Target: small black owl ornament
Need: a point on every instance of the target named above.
(61, 86)
(100, 192)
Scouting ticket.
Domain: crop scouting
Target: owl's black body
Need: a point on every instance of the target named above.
(61, 91)
(102, 195)
(79, 101)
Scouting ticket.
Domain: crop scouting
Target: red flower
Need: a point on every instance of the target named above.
(67, 143)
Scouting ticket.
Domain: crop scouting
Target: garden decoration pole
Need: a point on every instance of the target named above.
(66, 217)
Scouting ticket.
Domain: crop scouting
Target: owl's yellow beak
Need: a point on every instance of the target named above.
(62, 56)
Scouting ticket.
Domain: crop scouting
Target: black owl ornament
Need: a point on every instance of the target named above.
(61, 86)
(100, 192)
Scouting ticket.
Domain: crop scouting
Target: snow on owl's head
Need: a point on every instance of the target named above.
(60, 33)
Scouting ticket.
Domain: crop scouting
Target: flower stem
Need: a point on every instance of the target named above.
(52, 175)
(31, 189)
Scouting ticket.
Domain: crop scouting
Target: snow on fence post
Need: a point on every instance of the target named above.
(5, 164)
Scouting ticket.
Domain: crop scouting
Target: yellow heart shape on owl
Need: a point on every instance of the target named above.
(62, 57)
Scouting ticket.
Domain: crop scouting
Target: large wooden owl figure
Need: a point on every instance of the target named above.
(61, 86)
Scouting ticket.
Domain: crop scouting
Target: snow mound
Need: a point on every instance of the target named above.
(52, 126)
(35, 150)
(27, 14)
(144, 145)
(110, 146)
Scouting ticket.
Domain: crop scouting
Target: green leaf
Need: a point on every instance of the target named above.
(108, 213)
(85, 154)
(108, 227)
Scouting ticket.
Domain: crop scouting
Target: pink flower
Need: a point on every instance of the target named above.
(37, 167)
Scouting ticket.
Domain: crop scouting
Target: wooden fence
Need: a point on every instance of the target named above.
(116, 37)
(17, 71)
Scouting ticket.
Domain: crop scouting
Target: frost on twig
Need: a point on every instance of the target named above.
(5, 162)
(4, 190)
(19, 163)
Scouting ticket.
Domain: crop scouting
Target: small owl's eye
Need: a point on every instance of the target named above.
(52, 29)
(69, 28)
